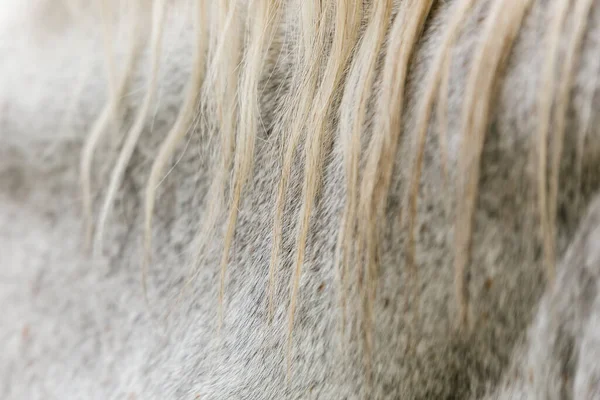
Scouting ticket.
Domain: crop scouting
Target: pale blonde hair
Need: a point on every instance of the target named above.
(339, 44)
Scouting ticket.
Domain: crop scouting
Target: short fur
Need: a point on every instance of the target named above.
(411, 168)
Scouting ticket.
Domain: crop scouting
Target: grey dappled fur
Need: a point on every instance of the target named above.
(74, 326)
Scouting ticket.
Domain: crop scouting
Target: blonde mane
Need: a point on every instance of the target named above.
(338, 53)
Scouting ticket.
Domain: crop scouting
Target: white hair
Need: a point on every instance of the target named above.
(331, 44)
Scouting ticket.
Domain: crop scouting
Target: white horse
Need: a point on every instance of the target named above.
(274, 199)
